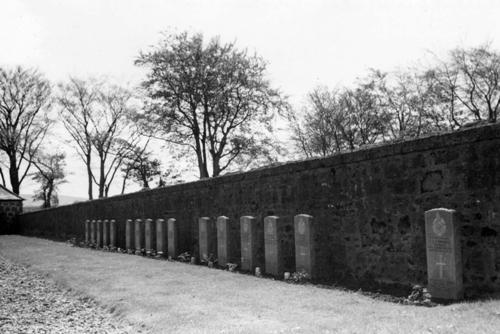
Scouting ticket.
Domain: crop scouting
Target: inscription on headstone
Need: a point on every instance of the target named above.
(248, 230)
(444, 254)
(173, 238)
(87, 231)
(272, 246)
(304, 244)
(99, 234)
(139, 236)
(129, 235)
(93, 232)
(223, 240)
(105, 233)
(206, 236)
(150, 236)
(161, 242)
(112, 234)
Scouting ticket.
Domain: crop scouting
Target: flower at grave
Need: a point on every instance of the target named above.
(231, 266)
(184, 257)
(300, 277)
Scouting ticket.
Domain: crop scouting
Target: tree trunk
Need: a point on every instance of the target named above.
(215, 166)
(202, 165)
(89, 175)
(13, 173)
(102, 180)
(48, 199)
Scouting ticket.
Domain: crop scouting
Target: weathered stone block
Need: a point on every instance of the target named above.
(99, 234)
(304, 244)
(112, 234)
(273, 245)
(129, 235)
(207, 242)
(87, 231)
(150, 236)
(444, 254)
(223, 245)
(173, 238)
(139, 236)
(105, 233)
(249, 243)
(161, 235)
(93, 232)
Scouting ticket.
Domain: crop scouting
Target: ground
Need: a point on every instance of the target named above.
(171, 297)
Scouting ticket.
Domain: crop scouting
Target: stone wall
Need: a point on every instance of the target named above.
(368, 206)
(9, 211)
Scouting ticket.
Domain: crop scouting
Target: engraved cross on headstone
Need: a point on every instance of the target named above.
(441, 264)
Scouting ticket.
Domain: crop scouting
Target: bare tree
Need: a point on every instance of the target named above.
(209, 98)
(362, 121)
(113, 135)
(98, 118)
(24, 101)
(467, 85)
(317, 131)
(78, 100)
(50, 174)
(407, 99)
(339, 120)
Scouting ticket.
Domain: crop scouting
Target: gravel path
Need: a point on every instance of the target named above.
(31, 304)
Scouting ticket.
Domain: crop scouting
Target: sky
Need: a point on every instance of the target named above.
(306, 43)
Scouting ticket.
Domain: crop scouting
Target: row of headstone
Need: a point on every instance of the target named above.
(152, 237)
(141, 236)
(249, 239)
(101, 233)
(444, 262)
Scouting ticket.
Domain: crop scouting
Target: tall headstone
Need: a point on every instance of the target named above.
(112, 234)
(129, 235)
(206, 239)
(173, 238)
(273, 248)
(99, 234)
(304, 244)
(161, 241)
(150, 236)
(139, 236)
(105, 233)
(93, 232)
(444, 254)
(223, 247)
(87, 232)
(248, 231)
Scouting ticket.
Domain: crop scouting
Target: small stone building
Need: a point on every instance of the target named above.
(11, 206)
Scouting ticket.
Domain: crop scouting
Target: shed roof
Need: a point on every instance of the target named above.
(7, 195)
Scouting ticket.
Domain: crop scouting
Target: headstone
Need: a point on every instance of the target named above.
(223, 250)
(105, 233)
(304, 244)
(273, 248)
(93, 232)
(248, 231)
(139, 236)
(99, 234)
(444, 254)
(161, 242)
(173, 238)
(150, 236)
(87, 232)
(112, 234)
(129, 235)
(206, 239)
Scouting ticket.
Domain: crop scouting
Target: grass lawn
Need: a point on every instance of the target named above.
(172, 297)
